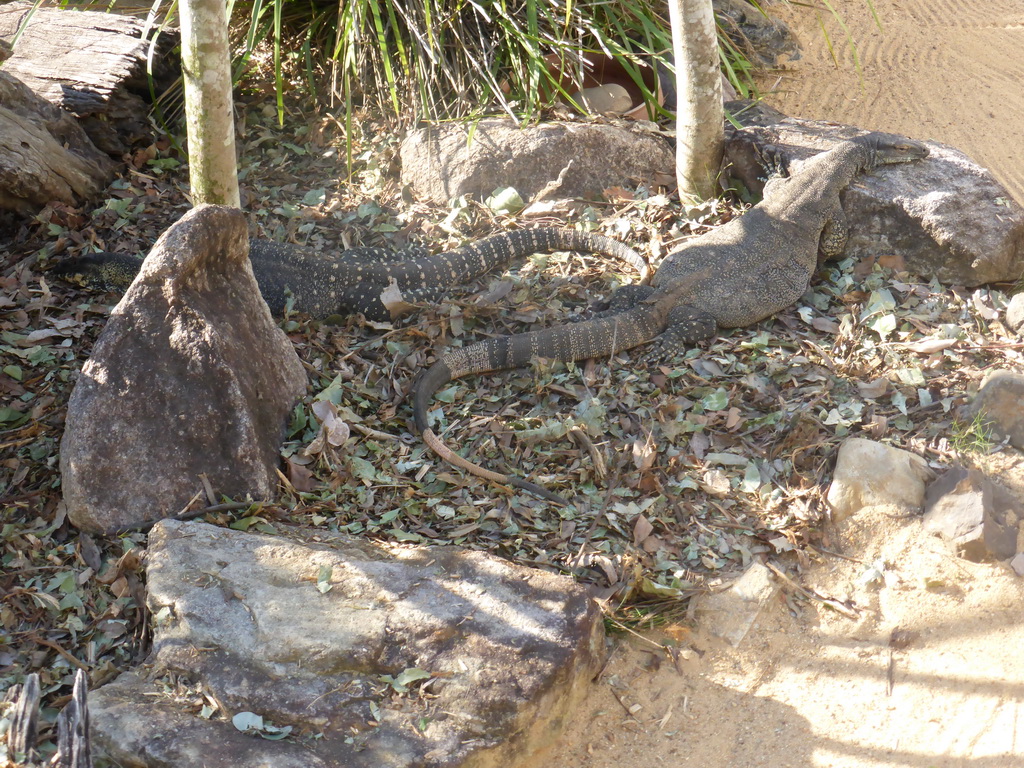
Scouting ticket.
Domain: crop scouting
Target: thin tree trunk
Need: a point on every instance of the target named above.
(209, 114)
(700, 119)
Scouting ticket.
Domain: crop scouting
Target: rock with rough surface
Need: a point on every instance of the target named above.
(946, 216)
(998, 404)
(977, 516)
(190, 377)
(562, 160)
(872, 474)
(376, 657)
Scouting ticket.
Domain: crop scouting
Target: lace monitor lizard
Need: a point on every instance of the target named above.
(738, 274)
(353, 282)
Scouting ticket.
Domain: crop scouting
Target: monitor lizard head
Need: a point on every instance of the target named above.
(101, 271)
(890, 148)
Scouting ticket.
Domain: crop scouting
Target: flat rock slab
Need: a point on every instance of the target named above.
(318, 636)
(190, 379)
(946, 216)
(550, 160)
(731, 613)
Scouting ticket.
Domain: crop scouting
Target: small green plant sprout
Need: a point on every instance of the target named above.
(974, 436)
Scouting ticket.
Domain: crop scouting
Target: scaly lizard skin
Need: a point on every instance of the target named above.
(353, 282)
(736, 275)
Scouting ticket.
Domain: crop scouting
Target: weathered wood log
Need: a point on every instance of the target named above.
(74, 745)
(74, 748)
(44, 153)
(21, 739)
(91, 64)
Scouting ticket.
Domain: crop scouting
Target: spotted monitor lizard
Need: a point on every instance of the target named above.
(738, 274)
(354, 281)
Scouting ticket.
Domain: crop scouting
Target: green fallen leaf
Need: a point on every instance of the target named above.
(247, 722)
(411, 675)
(505, 200)
(716, 401)
(361, 468)
(314, 197)
(323, 579)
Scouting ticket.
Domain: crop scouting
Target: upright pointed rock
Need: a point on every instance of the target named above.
(190, 377)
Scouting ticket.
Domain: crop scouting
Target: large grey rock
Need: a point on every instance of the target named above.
(562, 159)
(190, 376)
(998, 405)
(946, 216)
(975, 515)
(873, 474)
(304, 635)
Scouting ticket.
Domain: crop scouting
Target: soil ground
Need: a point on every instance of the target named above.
(947, 70)
(930, 674)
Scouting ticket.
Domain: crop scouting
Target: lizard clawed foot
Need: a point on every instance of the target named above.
(774, 161)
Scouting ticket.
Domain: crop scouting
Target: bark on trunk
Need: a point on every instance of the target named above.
(209, 106)
(700, 119)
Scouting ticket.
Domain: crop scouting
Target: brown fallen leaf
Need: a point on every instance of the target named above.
(873, 389)
(825, 325)
(644, 453)
(300, 477)
(642, 528)
(733, 418)
(618, 195)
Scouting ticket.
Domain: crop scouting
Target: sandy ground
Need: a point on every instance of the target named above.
(930, 673)
(949, 70)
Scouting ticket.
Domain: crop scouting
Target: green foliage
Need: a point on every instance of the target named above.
(973, 436)
(442, 59)
(449, 59)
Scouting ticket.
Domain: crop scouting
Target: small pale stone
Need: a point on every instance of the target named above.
(973, 513)
(1017, 563)
(869, 474)
(1015, 313)
(604, 99)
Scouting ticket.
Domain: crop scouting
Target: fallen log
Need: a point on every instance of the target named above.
(44, 153)
(91, 64)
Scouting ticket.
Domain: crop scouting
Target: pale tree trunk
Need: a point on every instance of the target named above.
(209, 114)
(700, 119)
